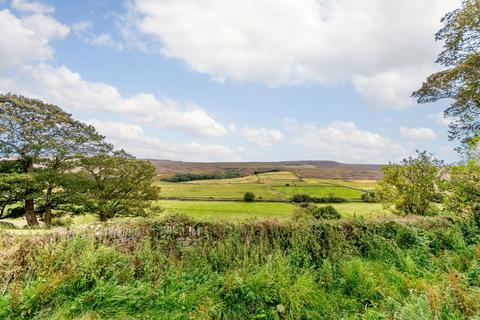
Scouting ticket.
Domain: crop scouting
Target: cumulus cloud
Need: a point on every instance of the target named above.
(132, 138)
(440, 118)
(83, 30)
(384, 48)
(414, 134)
(344, 141)
(27, 39)
(32, 7)
(262, 137)
(67, 89)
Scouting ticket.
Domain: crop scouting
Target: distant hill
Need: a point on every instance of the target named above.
(314, 169)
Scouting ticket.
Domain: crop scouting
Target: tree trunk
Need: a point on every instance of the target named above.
(29, 206)
(48, 209)
(103, 217)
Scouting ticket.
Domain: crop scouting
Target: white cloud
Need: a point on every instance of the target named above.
(262, 137)
(67, 89)
(414, 134)
(83, 30)
(27, 39)
(32, 7)
(343, 141)
(132, 138)
(440, 118)
(384, 48)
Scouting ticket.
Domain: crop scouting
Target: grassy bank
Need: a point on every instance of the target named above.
(180, 269)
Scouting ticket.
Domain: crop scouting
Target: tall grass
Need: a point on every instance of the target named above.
(179, 269)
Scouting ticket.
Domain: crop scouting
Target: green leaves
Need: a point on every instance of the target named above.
(47, 140)
(411, 186)
(115, 184)
(461, 80)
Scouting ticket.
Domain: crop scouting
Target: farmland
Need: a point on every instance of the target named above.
(241, 211)
(273, 186)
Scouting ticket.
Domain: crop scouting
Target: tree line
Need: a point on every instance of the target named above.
(50, 161)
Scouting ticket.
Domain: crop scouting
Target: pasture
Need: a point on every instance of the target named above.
(243, 211)
(272, 186)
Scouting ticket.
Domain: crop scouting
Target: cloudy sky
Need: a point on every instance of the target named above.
(235, 80)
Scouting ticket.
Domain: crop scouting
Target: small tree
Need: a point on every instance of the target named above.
(463, 189)
(369, 197)
(410, 187)
(249, 197)
(117, 184)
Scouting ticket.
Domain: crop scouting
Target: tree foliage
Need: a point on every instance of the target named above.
(460, 81)
(117, 184)
(411, 186)
(42, 135)
(463, 189)
(249, 197)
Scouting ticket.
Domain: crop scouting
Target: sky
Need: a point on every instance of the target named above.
(235, 80)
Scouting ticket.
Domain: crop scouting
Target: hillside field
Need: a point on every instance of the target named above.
(273, 186)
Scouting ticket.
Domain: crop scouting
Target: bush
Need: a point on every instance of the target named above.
(62, 222)
(249, 197)
(369, 197)
(301, 197)
(330, 199)
(327, 212)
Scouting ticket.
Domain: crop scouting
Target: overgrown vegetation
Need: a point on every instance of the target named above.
(322, 270)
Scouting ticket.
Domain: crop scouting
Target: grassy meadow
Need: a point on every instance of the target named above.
(243, 211)
(273, 186)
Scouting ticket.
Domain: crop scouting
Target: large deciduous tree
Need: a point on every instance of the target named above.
(43, 135)
(116, 184)
(460, 81)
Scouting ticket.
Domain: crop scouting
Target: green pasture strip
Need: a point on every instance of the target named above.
(218, 191)
(240, 211)
(320, 191)
(229, 211)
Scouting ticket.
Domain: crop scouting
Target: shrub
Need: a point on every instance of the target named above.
(301, 197)
(369, 197)
(326, 212)
(329, 199)
(62, 222)
(249, 197)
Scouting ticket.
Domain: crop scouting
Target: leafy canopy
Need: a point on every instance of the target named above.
(411, 186)
(460, 81)
(115, 185)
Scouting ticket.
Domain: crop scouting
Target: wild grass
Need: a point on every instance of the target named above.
(319, 270)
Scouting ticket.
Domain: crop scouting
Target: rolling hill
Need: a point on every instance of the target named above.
(313, 169)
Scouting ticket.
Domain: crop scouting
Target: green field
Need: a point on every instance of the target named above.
(240, 211)
(279, 186)
(320, 191)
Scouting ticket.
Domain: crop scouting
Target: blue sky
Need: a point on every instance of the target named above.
(235, 80)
